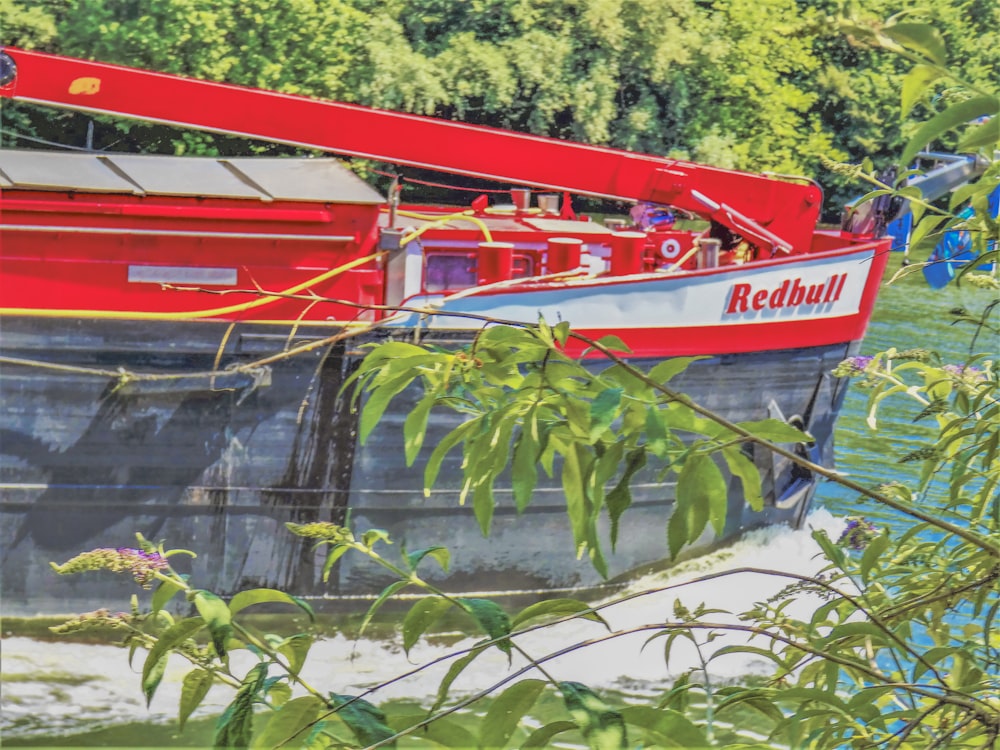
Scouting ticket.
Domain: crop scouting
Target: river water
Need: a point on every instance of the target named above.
(53, 690)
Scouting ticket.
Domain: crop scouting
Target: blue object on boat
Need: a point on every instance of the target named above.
(899, 229)
(955, 248)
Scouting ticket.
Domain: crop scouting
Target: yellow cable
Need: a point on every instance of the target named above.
(440, 220)
(266, 299)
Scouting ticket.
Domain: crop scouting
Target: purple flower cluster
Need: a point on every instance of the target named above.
(141, 564)
(858, 533)
(852, 366)
(967, 373)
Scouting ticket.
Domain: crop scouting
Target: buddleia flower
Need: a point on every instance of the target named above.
(99, 618)
(852, 366)
(327, 532)
(966, 374)
(981, 281)
(858, 533)
(141, 564)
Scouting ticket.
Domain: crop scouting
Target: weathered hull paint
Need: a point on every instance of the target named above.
(218, 464)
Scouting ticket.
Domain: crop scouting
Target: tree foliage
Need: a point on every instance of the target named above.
(757, 85)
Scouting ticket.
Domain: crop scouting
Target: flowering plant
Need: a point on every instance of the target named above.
(858, 532)
(142, 564)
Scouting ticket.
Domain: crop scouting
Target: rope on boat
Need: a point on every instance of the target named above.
(254, 369)
(440, 221)
(350, 329)
(265, 299)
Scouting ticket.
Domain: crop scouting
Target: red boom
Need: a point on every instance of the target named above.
(772, 212)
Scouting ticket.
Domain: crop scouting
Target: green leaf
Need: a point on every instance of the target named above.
(195, 687)
(491, 618)
(415, 427)
(335, 554)
(872, 553)
(378, 400)
(744, 650)
(952, 117)
(442, 449)
(250, 597)
(373, 536)
(919, 37)
(278, 692)
(235, 726)
(440, 731)
(833, 553)
(164, 593)
(440, 554)
(524, 465)
(775, 431)
(619, 498)
(756, 699)
(926, 227)
(541, 736)
(800, 696)
(657, 432)
(215, 612)
(613, 343)
(916, 84)
(555, 609)
(156, 659)
(983, 135)
(506, 712)
(851, 630)
(744, 469)
(483, 504)
(575, 491)
(703, 487)
(422, 616)
(601, 725)
(295, 648)
(152, 677)
(594, 551)
(457, 667)
(677, 528)
(388, 591)
(322, 738)
(364, 719)
(604, 409)
(678, 697)
(665, 727)
(561, 332)
(288, 726)
(665, 371)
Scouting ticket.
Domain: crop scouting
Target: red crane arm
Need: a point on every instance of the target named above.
(771, 212)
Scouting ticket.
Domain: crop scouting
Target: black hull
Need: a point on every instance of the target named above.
(217, 465)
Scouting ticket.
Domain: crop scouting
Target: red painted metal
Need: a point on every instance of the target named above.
(772, 212)
(563, 254)
(495, 262)
(626, 253)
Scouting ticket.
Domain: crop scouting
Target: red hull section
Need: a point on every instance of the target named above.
(81, 249)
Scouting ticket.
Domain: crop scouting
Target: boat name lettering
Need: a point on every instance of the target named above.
(789, 293)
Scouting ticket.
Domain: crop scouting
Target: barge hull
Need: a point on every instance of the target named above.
(217, 463)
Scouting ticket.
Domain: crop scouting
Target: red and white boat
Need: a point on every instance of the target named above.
(175, 330)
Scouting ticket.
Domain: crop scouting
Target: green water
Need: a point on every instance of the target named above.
(908, 315)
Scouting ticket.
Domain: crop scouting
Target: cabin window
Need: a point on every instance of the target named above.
(448, 271)
(453, 271)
